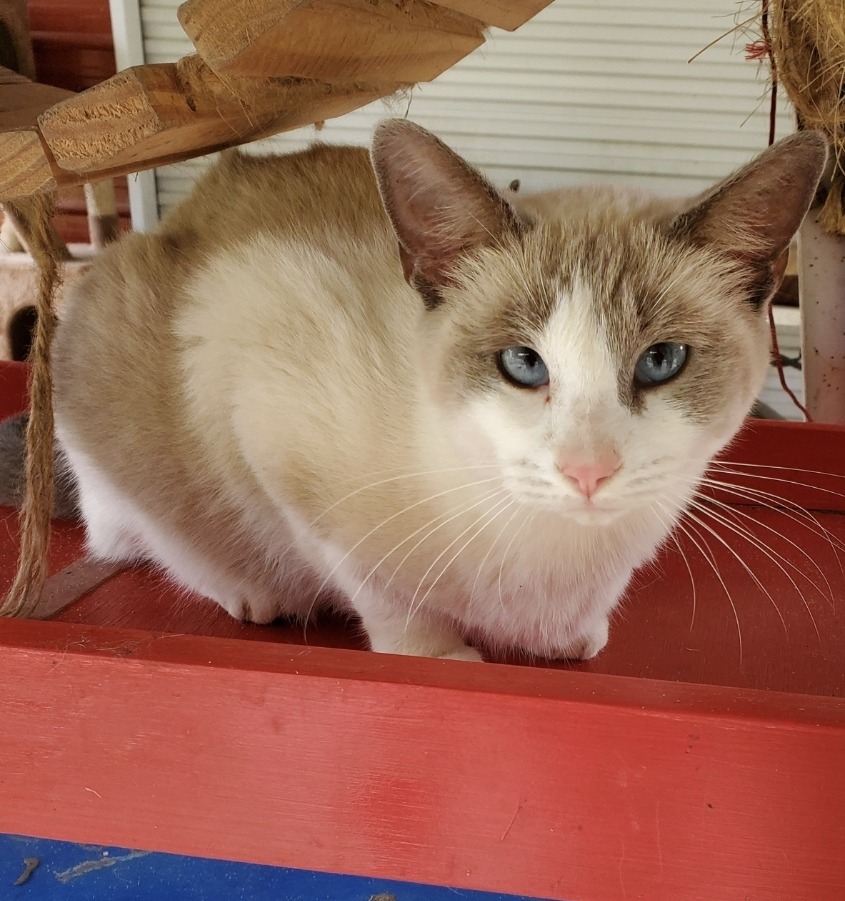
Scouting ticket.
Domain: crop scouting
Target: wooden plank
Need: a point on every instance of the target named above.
(150, 115)
(22, 101)
(554, 784)
(24, 165)
(801, 464)
(648, 772)
(508, 14)
(333, 40)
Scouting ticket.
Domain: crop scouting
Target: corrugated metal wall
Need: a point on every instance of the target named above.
(587, 90)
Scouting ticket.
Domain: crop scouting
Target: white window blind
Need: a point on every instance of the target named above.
(588, 90)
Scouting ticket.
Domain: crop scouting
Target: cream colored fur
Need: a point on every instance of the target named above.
(257, 400)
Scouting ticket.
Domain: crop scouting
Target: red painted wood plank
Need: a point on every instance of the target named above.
(562, 785)
(801, 463)
(656, 770)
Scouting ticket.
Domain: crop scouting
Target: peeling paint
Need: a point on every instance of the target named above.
(101, 863)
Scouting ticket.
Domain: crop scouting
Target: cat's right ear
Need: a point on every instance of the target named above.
(440, 207)
(752, 216)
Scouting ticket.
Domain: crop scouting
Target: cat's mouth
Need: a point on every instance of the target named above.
(550, 498)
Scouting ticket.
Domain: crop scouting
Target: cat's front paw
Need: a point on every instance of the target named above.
(588, 645)
(465, 653)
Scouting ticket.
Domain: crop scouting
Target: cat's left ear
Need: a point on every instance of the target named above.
(440, 207)
(752, 216)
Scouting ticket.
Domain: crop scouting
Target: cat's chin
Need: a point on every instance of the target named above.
(593, 515)
(584, 514)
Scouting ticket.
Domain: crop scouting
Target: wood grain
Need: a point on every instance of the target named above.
(25, 166)
(149, 115)
(332, 40)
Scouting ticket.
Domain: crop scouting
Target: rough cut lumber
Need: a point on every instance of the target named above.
(263, 67)
(22, 100)
(508, 14)
(25, 167)
(333, 40)
(150, 115)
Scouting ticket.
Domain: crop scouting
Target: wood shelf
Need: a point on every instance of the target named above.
(668, 767)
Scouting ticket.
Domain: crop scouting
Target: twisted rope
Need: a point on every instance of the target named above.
(33, 216)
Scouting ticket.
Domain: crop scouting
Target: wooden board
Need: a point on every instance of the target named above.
(509, 14)
(501, 778)
(150, 115)
(332, 40)
(673, 765)
(264, 66)
(25, 166)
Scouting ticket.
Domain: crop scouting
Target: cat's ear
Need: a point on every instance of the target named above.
(752, 216)
(440, 207)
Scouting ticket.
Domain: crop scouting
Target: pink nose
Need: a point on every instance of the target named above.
(588, 477)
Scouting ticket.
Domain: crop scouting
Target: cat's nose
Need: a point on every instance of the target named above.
(589, 476)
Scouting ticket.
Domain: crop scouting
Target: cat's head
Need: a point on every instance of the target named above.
(599, 357)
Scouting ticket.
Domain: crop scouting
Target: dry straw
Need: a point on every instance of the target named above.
(808, 48)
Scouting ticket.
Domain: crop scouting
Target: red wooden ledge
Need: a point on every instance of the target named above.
(672, 766)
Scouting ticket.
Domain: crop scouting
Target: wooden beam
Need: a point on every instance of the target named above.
(25, 166)
(507, 14)
(332, 40)
(22, 100)
(149, 115)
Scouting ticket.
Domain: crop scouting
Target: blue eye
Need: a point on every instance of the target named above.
(524, 367)
(660, 363)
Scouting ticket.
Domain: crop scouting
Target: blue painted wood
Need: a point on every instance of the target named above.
(95, 873)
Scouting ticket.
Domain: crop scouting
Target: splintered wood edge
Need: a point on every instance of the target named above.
(158, 114)
(99, 124)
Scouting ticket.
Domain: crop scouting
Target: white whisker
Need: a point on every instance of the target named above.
(502, 505)
(670, 526)
(736, 511)
(754, 542)
(385, 522)
(399, 478)
(446, 518)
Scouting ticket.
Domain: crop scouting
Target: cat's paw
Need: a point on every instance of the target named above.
(465, 653)
(589, 644)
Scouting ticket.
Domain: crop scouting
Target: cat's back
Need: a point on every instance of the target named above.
(117, 353)
(601, 204)
(299, 194)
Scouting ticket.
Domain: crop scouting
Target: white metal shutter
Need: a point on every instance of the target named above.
(588, 90)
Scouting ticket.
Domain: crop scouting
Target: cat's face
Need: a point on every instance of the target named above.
(598, 357)
(599, 366)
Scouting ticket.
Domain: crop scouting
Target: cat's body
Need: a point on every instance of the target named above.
(257, 399)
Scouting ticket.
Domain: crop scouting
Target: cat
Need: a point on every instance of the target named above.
(374, 381)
